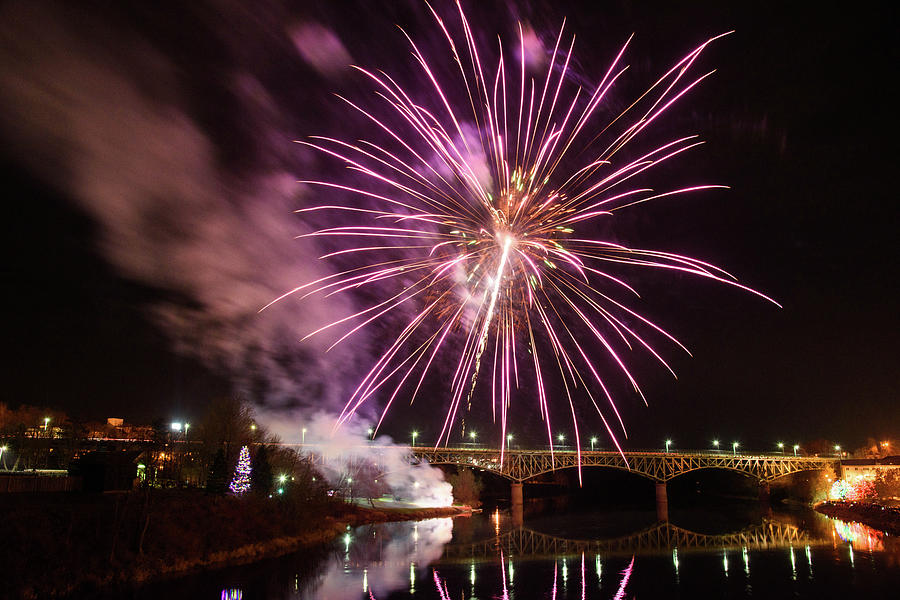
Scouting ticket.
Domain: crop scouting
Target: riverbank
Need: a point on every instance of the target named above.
(881, 517)
(89, 542)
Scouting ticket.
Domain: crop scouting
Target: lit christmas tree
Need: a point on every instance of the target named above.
(241, 481)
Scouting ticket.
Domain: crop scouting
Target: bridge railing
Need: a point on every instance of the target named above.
(566, 449)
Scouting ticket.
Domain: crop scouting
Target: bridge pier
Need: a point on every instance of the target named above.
(662, 502)
(764, 492)
(517, 503)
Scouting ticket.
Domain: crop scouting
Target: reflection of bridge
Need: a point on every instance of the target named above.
(523, 543)
(522, 465)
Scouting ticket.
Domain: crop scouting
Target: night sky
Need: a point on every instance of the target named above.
(149, 165)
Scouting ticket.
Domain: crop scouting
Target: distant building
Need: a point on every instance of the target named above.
(868, 467)
(114, 422)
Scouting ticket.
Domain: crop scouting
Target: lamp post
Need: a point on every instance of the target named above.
(371, 431)
(734, 446)
(593, 441)
(781, 446)
(508, 440)
(2, 450)
(667, 445)
(796, 447)
(562, 438)
(303, 435)
(46, 423)
(716, 444)
(472, 436)
(415, 434)
(837, 451)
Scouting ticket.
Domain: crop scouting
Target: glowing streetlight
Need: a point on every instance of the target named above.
(415, 434)
(2, 450)
(186, 427)
(593, 441)
(282, 478)
(837, 450)
(303, 435)
(508, 440)
(46, 423)
(796, 447)
(716, 444)
(734, 447)
(252, 426)
(175, 426)
(371, 431)
(561, 437)
(667, 445)
(781, 446)
(472, 436)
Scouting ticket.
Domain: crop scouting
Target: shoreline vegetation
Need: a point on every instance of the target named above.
(106, 542)
(877, 516)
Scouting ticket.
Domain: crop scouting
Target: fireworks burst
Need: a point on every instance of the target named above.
(473, 213)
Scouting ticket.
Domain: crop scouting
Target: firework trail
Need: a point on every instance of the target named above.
(471, 213)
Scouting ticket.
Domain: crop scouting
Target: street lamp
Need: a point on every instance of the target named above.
(282, 478)
(734, 446)
(472, 436)
(796, 447)
(837, 450)
(46, 422)
(561, 437)
(667, 445)
(371, 431)
(508, 440)
(176, 426)
(593, 441)
(303, 435)
(716, 444)
(2, 450)
(415, 434)
(781, 446)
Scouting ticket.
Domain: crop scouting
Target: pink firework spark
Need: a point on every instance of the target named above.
(472, 212)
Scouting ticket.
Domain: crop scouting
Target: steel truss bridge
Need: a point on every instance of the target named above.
(522, 465)
(662, 537)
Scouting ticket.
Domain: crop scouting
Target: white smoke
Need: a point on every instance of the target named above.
(418, 484)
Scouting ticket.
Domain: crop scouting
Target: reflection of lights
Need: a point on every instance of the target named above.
(859, 535)
(850, 546)
(512, 571)
(496, 519)
(598, 567)
(746, 560)
(565, 571)
(793, 565)
(725, 561)
(412, 578)
(675, 560)
(472, 574)
(365, 580)
(809, 561)
(583, 581)
(416, 532)
(347, 539)
(626, 574)
(232, 594)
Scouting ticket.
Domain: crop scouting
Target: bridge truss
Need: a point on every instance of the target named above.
(522, 465)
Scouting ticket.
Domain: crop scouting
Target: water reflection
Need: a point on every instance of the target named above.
(485, 557)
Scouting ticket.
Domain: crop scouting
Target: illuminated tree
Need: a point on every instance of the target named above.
(241, 482)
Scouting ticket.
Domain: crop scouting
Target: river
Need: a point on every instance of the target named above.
(732, 551)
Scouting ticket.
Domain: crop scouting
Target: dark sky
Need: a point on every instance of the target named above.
(148, 165)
